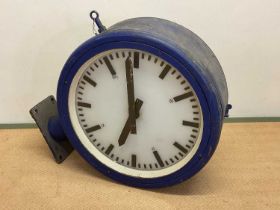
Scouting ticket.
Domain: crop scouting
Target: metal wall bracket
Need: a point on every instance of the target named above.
(42, 113)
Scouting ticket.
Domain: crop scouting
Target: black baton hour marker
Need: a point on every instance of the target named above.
(180, 147)
(83, 104)
(158, 158)
(136, 60)
(191, 124)
(165, 71)
(183, 96)
(133, 160)
(93, 128)
(109, 149)
(109, 66)
(89, 80)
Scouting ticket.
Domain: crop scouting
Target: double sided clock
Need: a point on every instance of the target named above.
(143, 102)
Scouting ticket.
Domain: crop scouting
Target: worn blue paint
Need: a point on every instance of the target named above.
(181, 48)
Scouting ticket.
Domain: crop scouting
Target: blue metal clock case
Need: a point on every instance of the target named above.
(181, 48)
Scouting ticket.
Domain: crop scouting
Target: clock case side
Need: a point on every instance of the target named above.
(175, 44)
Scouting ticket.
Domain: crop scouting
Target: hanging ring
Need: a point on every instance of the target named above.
(94, 15)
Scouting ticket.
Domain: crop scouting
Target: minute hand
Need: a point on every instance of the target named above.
(130, 94)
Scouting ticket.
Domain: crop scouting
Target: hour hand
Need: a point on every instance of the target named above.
(127, 128)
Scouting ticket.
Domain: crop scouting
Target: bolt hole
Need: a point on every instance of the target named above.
(36, 110)
(60, 157)
(52, 100)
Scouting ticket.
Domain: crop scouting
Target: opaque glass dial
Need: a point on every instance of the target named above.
(135, 113)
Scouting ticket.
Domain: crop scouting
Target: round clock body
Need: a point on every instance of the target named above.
(179, 96)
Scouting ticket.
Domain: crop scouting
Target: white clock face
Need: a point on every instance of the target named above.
(135, 113)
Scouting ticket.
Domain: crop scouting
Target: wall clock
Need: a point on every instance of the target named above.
(143, 102)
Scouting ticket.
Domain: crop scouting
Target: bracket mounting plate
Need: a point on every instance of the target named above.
(42, 113)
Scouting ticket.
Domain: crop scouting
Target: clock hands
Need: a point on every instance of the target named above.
(133, 107)
(127, 128)
(130, 94)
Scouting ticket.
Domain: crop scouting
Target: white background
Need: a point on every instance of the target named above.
(38, 36)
